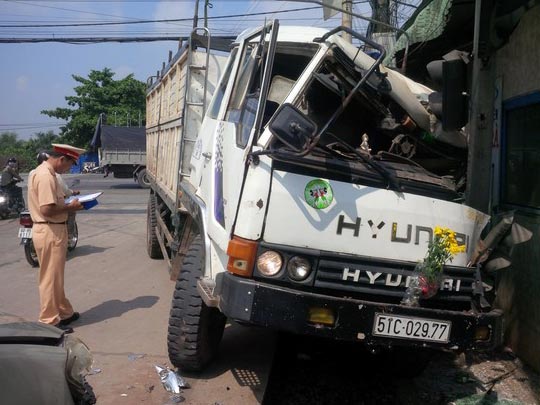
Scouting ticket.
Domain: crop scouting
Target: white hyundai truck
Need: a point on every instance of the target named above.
(295, 184)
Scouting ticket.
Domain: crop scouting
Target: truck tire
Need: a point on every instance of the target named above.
(195, 329)
(152, 243)
(142, 179)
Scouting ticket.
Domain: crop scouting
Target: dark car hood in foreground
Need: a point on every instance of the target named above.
(14, 329)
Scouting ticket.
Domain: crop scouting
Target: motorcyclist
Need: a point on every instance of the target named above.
(10, 177)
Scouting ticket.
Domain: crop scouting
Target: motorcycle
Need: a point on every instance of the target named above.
(11, 200)
(25, 234)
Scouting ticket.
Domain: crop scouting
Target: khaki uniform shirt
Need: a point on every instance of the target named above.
(43, 189)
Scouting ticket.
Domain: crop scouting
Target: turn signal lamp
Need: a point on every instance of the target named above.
(321, 316)
(482, 333)
(242, 254)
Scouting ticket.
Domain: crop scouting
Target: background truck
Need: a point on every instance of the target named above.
(295, 185)
(122, 151)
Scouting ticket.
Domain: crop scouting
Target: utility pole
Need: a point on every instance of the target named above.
(196, 15)
(206, 13)
(346, 18)
(479, 174)
(382, 11)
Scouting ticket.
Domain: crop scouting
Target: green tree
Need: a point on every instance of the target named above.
(24, 151)
(99, 93)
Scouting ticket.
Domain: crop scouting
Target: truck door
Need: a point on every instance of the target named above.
(238, 120)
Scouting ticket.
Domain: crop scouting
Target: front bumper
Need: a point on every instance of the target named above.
(286, 309)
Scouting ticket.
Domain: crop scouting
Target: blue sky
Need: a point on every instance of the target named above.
(34, 77)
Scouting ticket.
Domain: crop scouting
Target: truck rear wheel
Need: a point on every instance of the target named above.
(195, 329)
(152, 243)
(142, 179)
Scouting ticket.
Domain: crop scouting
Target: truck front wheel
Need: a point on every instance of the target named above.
(195, 329)
(152, 242)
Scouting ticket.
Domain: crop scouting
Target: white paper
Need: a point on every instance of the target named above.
(84, 197)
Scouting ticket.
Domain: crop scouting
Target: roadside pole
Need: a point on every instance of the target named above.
(479, 174)
(346, 19)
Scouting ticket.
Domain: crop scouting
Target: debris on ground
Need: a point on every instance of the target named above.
(172, 381)
(94, 371)
(496, 378)
(135, 356)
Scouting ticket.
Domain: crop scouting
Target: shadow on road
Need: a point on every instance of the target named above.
(115, 308)
(247, 352)
(86, 250)
(125, 186)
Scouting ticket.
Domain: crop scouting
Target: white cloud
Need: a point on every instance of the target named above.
(21, 83)
(122, 71)
(166, 10)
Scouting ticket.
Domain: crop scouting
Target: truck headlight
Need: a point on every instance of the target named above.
(79, 361)
(269, 263)
(298, 268)
(2, 199)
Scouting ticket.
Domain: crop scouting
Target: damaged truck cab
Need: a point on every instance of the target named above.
(306, 196)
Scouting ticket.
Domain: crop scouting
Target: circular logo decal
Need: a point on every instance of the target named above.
(319, 194)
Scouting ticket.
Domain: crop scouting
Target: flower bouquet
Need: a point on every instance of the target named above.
(428, 273)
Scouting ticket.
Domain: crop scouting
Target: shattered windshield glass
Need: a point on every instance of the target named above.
(375, 136)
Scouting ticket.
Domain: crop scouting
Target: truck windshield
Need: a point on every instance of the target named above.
(374, 135)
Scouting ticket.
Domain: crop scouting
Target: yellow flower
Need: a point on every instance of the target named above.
(455, 248)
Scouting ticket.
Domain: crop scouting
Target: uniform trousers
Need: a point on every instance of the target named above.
(50, 242)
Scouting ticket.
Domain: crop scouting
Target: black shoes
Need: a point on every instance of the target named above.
(72, 318)
(65, 328)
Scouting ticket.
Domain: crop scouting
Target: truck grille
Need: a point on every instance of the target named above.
(386, 282)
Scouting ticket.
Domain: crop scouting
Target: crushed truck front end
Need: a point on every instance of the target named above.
(305, 198)
(326, 239)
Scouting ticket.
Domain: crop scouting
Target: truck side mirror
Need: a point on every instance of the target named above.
(451, 104)
(293, 128)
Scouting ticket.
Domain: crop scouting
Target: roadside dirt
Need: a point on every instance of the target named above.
(495, 378)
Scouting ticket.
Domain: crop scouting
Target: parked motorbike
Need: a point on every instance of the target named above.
(11, 201)
(25, 234)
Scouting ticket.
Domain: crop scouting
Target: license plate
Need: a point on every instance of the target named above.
(25, 233)
(405, 327)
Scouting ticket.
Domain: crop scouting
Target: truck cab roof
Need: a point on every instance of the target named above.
(288, 34)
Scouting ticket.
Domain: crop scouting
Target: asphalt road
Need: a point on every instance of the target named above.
(124, 299)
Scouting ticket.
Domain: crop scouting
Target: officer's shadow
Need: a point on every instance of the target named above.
(115, 308)
(85, 250)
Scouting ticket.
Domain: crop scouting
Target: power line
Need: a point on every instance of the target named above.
(153, 21)
(68, 9)
(96, 40)
(31, 123)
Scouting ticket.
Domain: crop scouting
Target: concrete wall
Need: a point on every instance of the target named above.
(518, 63)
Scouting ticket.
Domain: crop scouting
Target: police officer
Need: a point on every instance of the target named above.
(50, 213)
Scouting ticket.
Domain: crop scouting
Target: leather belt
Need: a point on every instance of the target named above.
(50, 223)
